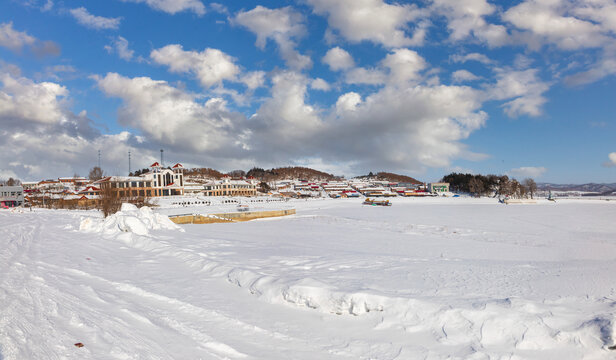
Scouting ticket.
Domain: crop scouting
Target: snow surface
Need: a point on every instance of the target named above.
(438, 278)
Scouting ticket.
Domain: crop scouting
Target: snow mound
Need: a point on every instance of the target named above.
(129, 219)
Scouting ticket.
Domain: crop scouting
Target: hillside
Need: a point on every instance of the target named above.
(387, 176)
(204, 173)
(291, 172)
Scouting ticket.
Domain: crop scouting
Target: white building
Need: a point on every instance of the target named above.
(11, 196)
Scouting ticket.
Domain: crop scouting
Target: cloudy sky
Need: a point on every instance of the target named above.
(524, 88)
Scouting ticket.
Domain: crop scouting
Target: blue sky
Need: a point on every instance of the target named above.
(524, 88)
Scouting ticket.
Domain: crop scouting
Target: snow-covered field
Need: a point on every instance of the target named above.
(445, 278)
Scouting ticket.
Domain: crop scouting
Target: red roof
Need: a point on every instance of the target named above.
(156, 164)
(177, 166)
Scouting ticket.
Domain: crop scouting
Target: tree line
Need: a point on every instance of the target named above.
(490, 185)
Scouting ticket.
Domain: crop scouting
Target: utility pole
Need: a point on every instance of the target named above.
(129, 163)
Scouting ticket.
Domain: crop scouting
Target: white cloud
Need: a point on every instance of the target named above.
(284, 26)
(611, 160)
(404, 65)
(365, 76)
(253, 79)
(173, 117)
(466, 19)
(219, 8)
(22, 100)
(120, 46)
(472, 57)
(372, 20)
(347, 102)
(463, 75)
(400, 66)
(338, 59)
(605, 66)
(13, 39)
(528, 172)
(210, 66)
(6, 174)
(551, 22)
(319, 84)
(526, 89)
(174, 6)
(86, 19)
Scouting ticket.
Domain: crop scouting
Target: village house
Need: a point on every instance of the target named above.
(230, 187)
(11, 196)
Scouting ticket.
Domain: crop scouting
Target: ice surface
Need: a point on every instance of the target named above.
(426, 278)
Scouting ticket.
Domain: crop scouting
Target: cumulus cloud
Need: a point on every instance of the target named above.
(320, 84)
(16, 40)
(120, 47)
(373, 20)
(404, 65)
(253, 79)
(611, 160)
(13, 39)
(86, 19)
(284, 26)
(173, 117)
(40, 136)
(174, 6)
(407, 128)
(552, 22)
(458, 58)
(400, 66)
(365, 76)
(528, 172)
(22, 100)
(466, 18)
(210, 66)
(347, 102)
(338, 59)
(526, 89)
(463, 75)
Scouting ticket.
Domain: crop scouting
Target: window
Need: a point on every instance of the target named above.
(134, 192)
(141, 193)
(148, 193)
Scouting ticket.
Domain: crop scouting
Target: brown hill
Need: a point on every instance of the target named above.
(203, 173)
(291, 172)
(387, 176)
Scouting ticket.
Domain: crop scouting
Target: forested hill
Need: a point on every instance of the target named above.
(387, 176)
(206, 173)
(287, 173)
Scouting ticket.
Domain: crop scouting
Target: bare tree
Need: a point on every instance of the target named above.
(13, 182)
(110, 203)
(531, 185)
(515, 188)
(96, 173)
(476, 186)
(504, 186)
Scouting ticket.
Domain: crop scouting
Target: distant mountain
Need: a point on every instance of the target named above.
(603, 189)
(387, 176)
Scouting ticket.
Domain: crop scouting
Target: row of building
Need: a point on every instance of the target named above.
(160, 181)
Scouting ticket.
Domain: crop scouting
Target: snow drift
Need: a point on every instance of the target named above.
(129, 219)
